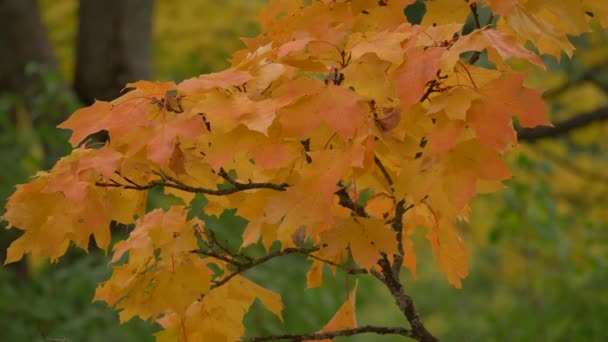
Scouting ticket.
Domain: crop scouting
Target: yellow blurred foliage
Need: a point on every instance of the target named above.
(190, 36)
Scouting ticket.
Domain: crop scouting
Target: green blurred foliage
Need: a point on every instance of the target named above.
(539, 249)
(55, 305)
(29, 141)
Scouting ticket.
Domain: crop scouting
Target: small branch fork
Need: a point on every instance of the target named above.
(241, 262)
(244, 266)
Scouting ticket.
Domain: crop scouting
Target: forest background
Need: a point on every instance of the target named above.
(538, 249)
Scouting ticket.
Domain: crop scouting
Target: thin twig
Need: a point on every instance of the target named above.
(346, 269)
(215, 255)
(255, 262)
(385, 173)
(229, 179)
(331, 334)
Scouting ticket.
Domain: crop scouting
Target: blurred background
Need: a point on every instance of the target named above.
(538, 249)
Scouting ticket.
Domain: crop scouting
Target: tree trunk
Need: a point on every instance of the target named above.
(23, 40)
(113, 47)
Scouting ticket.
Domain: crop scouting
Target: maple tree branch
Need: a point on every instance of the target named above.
(403, 301)
(531, 135)
(431, 89)
(335, 333)
(229, 179)
(172, 182)
(347, 202)
(255, 262)
(346, 269)
(385, 173)
(397, 225)
(215, 255)
(229, 257)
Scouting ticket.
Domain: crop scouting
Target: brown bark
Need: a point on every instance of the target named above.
(113, 47)
(23, 40)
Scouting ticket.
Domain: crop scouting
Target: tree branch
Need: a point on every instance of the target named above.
(384, 171)
(397, 225)
(531, 135)
(345, 268)
(336, 333)
(171, 182)
(347, 202)
(403, 301)
(255, 262)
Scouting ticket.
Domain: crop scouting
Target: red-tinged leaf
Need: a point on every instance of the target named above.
(339, 108)
(492, 125)
(505, 45)
(421, 66)
(162, 144)
(508, 47)
(149, 88)
(224, 79)
(445, 135)
(104, 160)
(66, 177)
(87, 121)
(502, 99)
(293, 46)
(225, 112)
(273, 155)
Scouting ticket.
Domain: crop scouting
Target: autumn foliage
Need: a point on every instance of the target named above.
(337, 132)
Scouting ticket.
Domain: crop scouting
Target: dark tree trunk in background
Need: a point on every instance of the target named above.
(113, 47)
(23, 40)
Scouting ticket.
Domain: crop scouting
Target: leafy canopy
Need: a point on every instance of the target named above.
(336, 132)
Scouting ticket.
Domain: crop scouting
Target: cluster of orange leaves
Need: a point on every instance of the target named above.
(332, 96)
